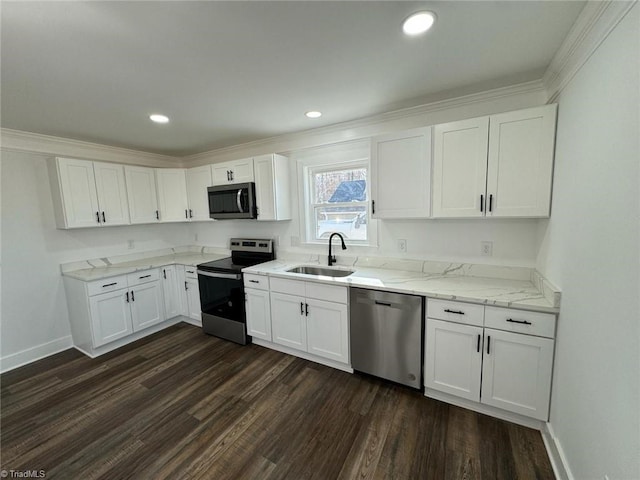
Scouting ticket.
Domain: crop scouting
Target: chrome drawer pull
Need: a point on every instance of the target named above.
(523, 322)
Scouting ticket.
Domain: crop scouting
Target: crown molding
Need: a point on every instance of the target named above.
(595, 22)
(360, 128)
(16, 140)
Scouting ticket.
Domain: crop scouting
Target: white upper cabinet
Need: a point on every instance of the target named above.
(272, 187)
(172, 195)
(112, 193)
(87, 194)
(198, 179)
(141, 190)
(401, 174)
(460, 168)
(520, 166)
(236, 171)
(495, 166)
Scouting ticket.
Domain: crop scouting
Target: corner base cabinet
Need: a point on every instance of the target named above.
(495, 356)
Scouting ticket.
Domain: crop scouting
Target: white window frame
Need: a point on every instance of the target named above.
(334, 158)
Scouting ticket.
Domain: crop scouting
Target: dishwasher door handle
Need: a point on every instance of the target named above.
(382, 303)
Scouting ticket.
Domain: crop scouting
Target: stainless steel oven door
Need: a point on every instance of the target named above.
(223, 308)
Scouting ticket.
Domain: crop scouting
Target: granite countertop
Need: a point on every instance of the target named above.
(101, 268)
(456, 282)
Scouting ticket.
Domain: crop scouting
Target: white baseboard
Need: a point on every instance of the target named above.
(32, 354)
(191, 321)
(556, 454)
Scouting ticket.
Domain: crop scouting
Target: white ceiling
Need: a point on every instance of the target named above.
(232, 72)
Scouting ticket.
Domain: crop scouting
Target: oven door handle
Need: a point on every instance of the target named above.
(233, 276)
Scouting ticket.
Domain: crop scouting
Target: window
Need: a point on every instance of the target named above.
(339, 203)
(334, 183)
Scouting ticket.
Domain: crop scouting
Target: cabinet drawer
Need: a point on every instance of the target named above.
(144, 276)
(292, 287)
(190, 272)
(106, 285)
(459, 312)
(520, 321)
(329, 293)
(260, 282)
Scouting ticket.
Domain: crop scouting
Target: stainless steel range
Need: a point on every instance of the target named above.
(222, 288)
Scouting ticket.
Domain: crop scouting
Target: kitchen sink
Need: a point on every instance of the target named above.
(327, 272)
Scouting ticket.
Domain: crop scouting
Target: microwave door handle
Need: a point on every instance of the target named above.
(239, 200)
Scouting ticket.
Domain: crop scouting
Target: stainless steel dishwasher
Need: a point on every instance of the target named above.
(386, 335)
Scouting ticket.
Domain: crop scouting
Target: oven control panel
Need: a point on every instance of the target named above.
(251, 245)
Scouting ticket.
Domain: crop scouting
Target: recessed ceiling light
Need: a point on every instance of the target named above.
(159, 118)
(313, 114)
(418, 23)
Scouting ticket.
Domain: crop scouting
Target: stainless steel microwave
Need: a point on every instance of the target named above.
(232, 201)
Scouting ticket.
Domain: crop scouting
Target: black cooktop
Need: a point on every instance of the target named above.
(244, 253)
(227, 265)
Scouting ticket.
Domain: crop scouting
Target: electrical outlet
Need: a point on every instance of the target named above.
(402, 245)
(130, 244)
(486, 249)
(195, 237)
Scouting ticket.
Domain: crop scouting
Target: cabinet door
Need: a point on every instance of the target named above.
(521, 148)
(79, 196)
(141, 190)
(288, 323)
(112, 193)
(265, 188)
(258, 313)
(401, 174)
(460, 168)
(242, 171)
(272, 187)
(198, 179)
(237, 171)
(146, 305)
(516, 373)
(453, 358)
(172, 195)
(194, 310)
(328, 330)
(110, 317)
(171, 291)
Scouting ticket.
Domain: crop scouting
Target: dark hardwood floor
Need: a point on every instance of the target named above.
(181, 404)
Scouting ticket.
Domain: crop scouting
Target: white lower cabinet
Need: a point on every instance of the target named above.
(108, 313)
(289, 325)
(504, 369)
(453, 358)
(191, 294)
(516, 372)
(110, 317)
(171, 289)
(258, 313)
(310, 317)
(147, 307)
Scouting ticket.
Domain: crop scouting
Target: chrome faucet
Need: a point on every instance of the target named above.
(332, 258)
